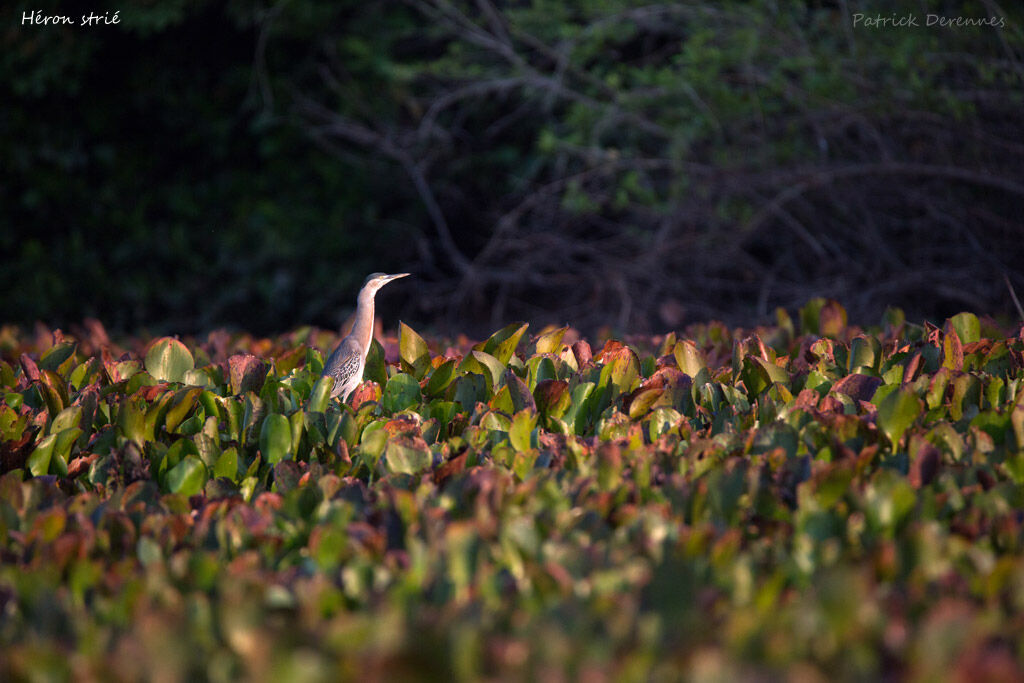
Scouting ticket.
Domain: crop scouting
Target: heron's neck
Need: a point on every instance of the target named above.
(363, 328)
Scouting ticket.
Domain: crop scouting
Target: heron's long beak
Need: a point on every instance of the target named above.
(389, 278)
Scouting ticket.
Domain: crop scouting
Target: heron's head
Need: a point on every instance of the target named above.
(377, 280)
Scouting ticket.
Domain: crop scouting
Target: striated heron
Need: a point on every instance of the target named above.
(346, 363)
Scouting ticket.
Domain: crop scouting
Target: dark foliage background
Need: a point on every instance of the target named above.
(604, 163)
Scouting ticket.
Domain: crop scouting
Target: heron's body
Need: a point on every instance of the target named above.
(348, 360)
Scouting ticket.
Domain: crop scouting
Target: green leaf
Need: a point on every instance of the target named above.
(823, 317)
(375, 368)
(298, 424)
(493, 365)
(521, 430)
(65, 441)
(578, 415)
(966, 395)
(502, 344)
(551, 342)
(441, 377)
(502, 400)
(967, 327)
(754, 376)
(275, 438)
(39, 461)
(865, 352)
(623, 370)
(372, 443)
(148, 551)
(642, 402)
(551, 397)
(196, 378)
(131, 418)
(320, 397)
(56, 356)
(540, 369)
(54, 390)
(518, 391)
(443, 411)
(775, 373)
(469, 390)
(897, 412)
(187, 477)
(689, 358)
(168, 360)
(407, 455)
(69, 417)
(411, 345)
(183, 403)
(208, 447)
(494, 421)
(401, 393)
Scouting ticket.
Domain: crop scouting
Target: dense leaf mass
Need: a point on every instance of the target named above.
(806, 500)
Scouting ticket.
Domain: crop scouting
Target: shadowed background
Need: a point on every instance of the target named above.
(610, 164)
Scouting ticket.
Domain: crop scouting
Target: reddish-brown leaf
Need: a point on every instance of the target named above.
(912, 367)
(29, 367)
(925, 465)
(367, 391)
(549, 392)
(450, 468)
(247, 373)
(952, 350)
(858, 387)
(807, 399)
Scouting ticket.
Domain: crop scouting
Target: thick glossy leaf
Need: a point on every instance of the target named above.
(39, 461)
(858, 387)
(865, 353)
(407, 455)
(468, 390)
(55, 391)
(411, 345)
(494, 367)
(401, 393)
(441, 377)
(131, 418)
(502, 400)
(168, 360)
(552, 397)
(320, 397)
(188, 477)
(181, 404)
(375, 368)
(967, 327)
(623, 369)
(897, 412)
(521, 430)
(643, 401)
(551, 342)
(247, 373)
(758, 374)
(66, 439)
(519, 392)
(502, 344)
(275, 438)
(58, 358)
(689, 358)
(952, 351)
